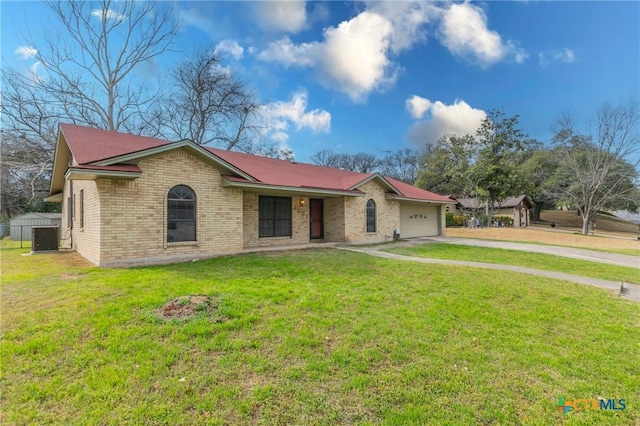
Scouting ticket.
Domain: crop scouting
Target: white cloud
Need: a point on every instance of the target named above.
(352, 58)
(355, 56)
(417, 106)
(408, 20)
(25, 52)
(231, 47)
(565, 55)
(108, 14)
(289, 54)
(289, 16)
(279, 116)
(463, 30)
(458, 118)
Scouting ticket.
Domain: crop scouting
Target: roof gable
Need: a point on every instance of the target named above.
(89, 145)
(98, 149)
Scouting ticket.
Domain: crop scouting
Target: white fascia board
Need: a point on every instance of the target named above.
(87, 174)
(292, 189)
(417, 200)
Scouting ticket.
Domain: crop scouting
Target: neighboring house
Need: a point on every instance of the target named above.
(517, 207)
(129, 200)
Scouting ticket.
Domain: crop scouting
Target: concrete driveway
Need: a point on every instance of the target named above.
(575, 253)
(626, 290)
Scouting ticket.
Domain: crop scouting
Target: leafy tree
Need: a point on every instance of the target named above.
(446, 166)
(598, 168)
(540, 178)
(496, 158)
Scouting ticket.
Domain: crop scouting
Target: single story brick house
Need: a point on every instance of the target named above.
(517, 207)
(132, 200)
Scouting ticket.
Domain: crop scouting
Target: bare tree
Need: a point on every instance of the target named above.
(326, 158)
(360, 162)
(91, 74)
(600, 168)
(26, 170)
(364, 163)
(209, 106)
(402, 165)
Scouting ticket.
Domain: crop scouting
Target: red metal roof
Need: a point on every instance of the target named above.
(410, 191)
(287, 173)
(88, 145)
(92, 145)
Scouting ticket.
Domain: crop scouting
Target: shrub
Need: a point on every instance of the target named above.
(449, 219)
(455, 220)
(503, 220)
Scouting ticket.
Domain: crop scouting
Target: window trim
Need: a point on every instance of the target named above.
(194, 199)
(274, 217)
(370, 208)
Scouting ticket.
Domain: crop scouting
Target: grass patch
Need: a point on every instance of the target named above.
(604, 222)
(310, 337)
(549, 237)
(542, 261)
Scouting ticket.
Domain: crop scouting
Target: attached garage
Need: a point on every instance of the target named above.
(418, 220)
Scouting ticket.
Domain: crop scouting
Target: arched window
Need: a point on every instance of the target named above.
(371, 216)
(181, 214)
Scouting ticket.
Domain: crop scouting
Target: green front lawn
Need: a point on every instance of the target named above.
(309, 337)
(542, 261)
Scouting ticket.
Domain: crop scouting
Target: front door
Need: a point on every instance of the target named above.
(316, 218)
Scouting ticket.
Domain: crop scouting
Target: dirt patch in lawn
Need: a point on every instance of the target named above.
(192, 306)
(552, 237)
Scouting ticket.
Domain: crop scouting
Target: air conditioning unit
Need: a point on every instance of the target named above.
(44, 238)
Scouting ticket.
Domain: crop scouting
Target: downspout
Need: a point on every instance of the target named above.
(70, 213)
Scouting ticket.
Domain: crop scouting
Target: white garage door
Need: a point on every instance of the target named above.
(418, 220)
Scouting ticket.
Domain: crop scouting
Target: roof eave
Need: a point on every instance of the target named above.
(294, 190)
(417, 200)
(57, 184)
(54, 198)
(93, 174)
(169, 147)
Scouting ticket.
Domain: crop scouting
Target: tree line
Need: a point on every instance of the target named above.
(589, 170)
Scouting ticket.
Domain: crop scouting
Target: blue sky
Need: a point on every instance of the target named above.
(376, 77)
